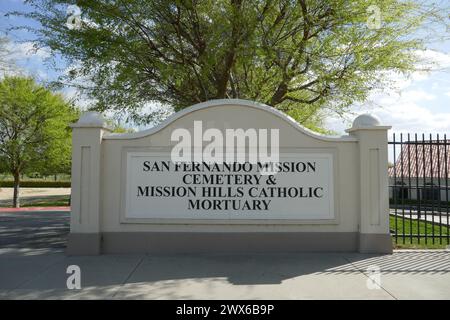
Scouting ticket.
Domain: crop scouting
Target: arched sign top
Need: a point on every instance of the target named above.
(224, 102)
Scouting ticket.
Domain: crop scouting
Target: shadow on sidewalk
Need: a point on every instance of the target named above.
(32, 245)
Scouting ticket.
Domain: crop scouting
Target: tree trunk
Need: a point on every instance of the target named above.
(16, 200)
(279, 94)
(230, 56)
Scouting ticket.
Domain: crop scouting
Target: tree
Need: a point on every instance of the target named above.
(303, 57)
(118, 127)
(34, 129)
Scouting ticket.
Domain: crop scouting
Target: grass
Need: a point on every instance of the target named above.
(418, 228)
(36, 184)
(53, 203)
(61, 201)
(59, 177)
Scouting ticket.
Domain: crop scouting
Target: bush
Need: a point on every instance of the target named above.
(36, 184)
(34, 175)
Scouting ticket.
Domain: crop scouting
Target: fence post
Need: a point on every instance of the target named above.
(85, 216)
(374, 233)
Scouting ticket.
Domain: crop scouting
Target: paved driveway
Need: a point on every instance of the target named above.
(33, 266)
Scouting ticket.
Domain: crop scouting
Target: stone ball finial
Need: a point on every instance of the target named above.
(92, 118)
(366, 120)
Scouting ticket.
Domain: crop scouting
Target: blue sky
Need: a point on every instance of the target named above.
(418, 103)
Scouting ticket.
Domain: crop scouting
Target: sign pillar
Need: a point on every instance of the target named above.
(374, 234)
(85, 215)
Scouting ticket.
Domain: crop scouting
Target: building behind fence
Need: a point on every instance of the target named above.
(419, 182)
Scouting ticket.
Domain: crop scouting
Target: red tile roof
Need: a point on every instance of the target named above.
(426, 156)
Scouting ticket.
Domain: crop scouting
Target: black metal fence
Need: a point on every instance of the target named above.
(419, 194)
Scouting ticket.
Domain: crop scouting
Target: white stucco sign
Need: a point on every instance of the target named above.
(227, 176)
(300, 187)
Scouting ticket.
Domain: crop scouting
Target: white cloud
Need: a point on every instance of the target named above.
(24, 59)
(408, 103)
(411, 117)
(430, 61)
(81, 101)
(433, 60)
(404, 116)
(416, 95)
(27, 50)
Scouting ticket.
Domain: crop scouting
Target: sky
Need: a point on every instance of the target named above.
(419, 103)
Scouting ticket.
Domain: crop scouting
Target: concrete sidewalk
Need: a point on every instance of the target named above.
(33, 265)
(425, 216)
(41, 274)
(31, 195)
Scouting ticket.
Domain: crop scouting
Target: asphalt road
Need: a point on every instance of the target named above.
(34, 229)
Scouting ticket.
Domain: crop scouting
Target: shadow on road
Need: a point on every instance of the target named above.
(34, 229)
